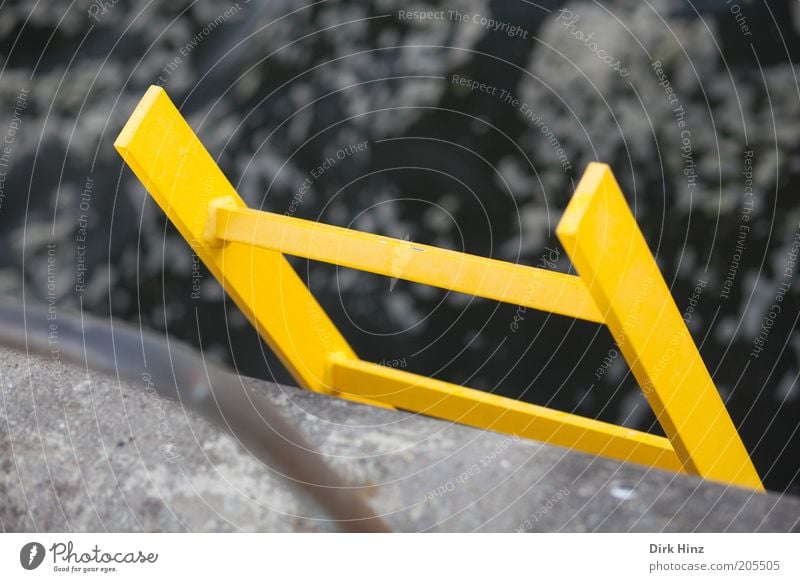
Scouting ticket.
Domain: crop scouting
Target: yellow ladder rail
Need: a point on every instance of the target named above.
(600, 235)
(181, 176)
(619, 284)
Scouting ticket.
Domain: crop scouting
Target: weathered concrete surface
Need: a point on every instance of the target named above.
(89, 453)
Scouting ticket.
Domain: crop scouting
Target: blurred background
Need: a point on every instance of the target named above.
(695, 105)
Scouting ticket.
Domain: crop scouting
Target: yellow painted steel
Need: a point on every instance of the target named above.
(499, 280)
(490, 411)
(619, 284)
(601, 236)
(182, 177)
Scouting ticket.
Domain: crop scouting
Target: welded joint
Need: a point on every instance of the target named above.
(210, 237)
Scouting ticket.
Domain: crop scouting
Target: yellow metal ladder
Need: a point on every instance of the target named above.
(619, 285)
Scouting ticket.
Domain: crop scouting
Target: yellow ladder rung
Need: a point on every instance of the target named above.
(489, 411)
(490, 278)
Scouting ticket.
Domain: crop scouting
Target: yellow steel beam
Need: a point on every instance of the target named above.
(489, 411)
(461, 272)
(609, 252)
(184, 180)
